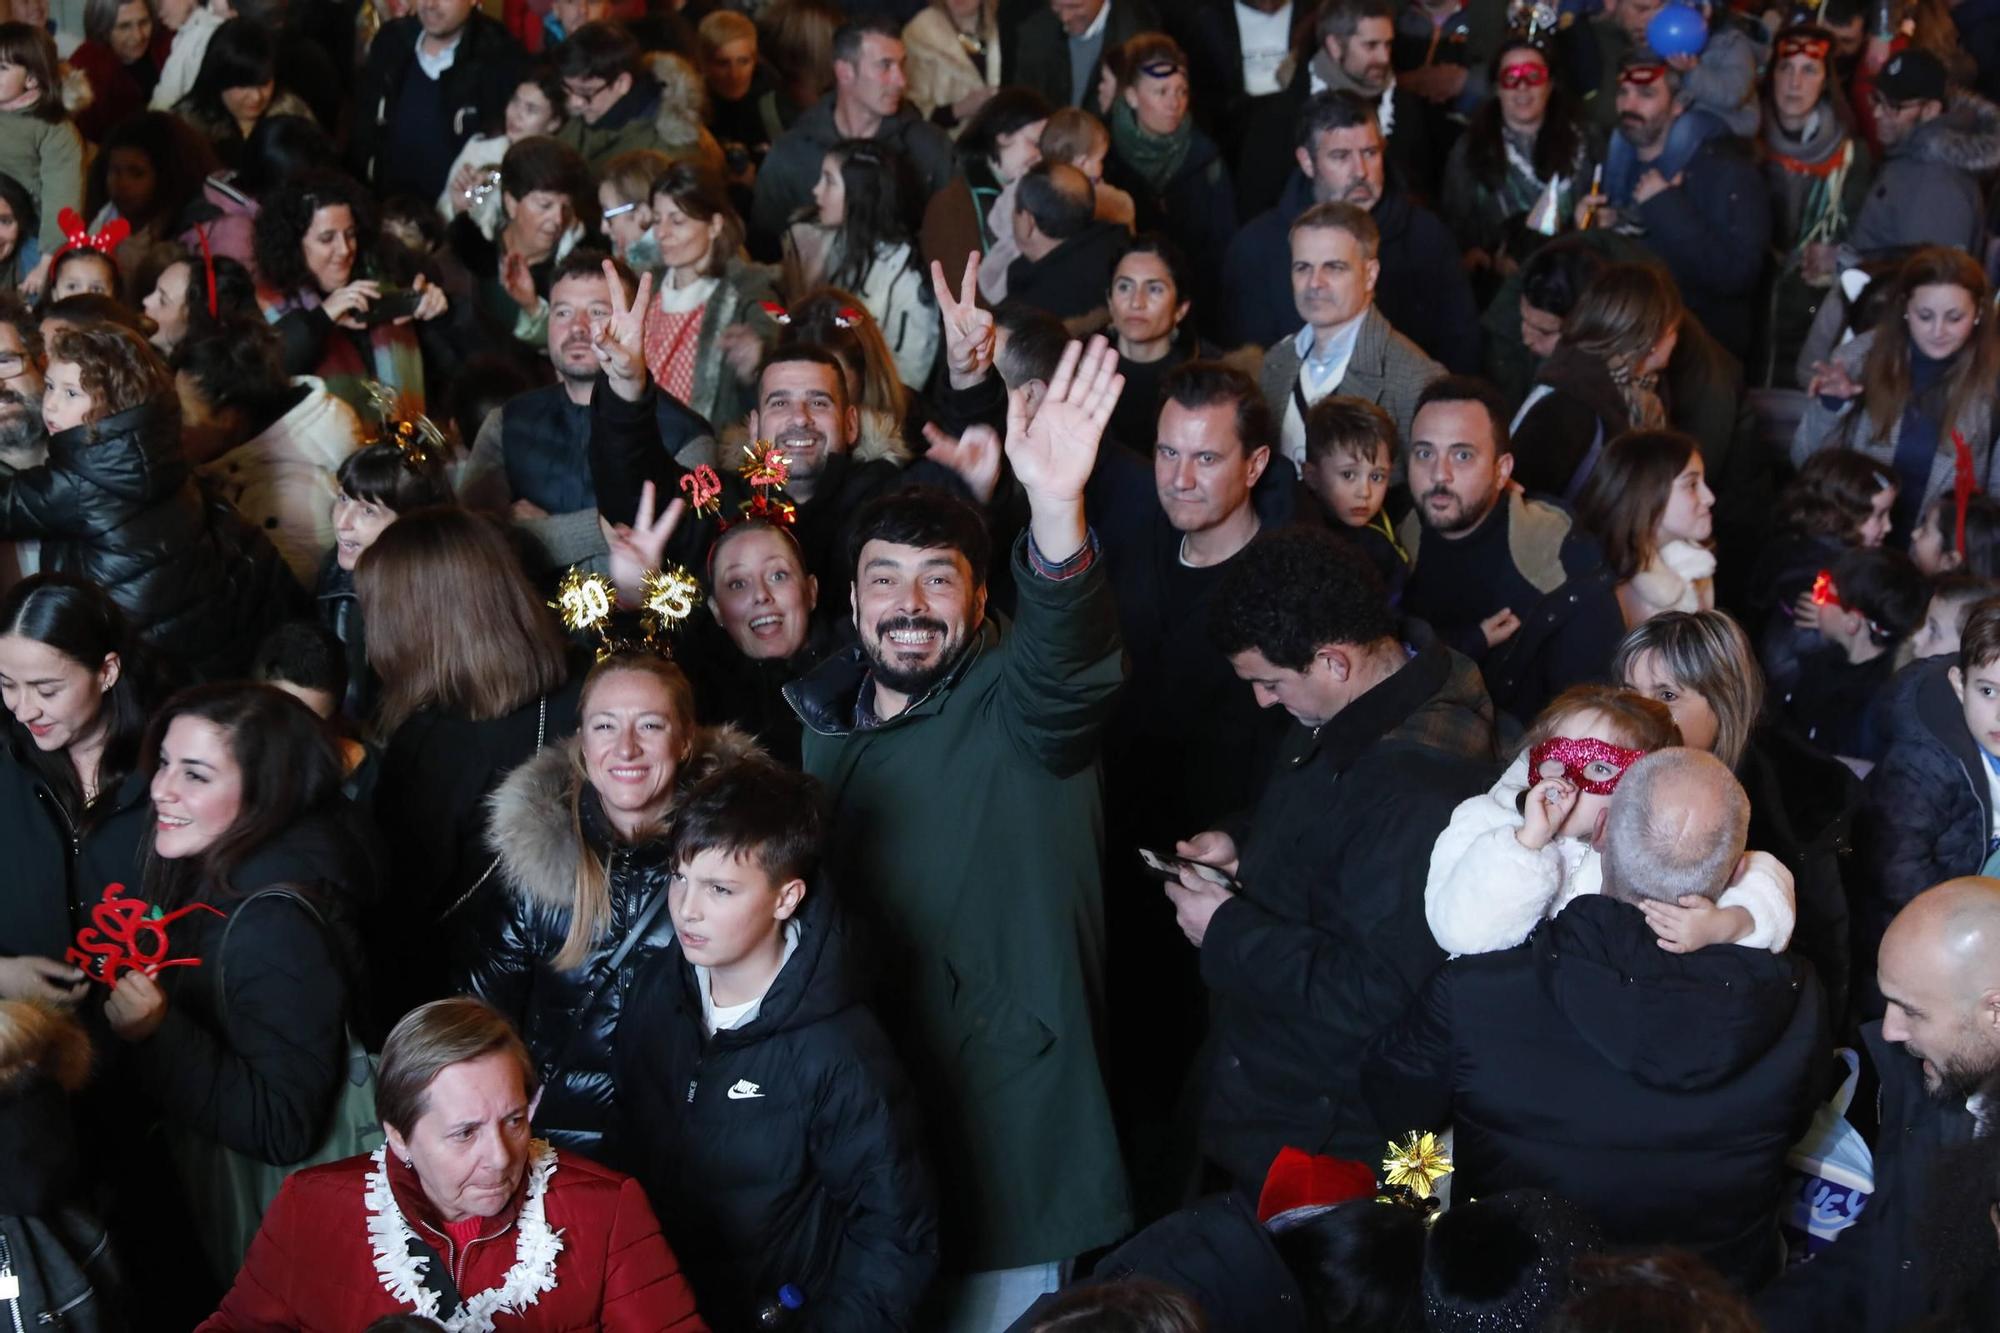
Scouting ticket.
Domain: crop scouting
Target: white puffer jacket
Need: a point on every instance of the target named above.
(1486, 892)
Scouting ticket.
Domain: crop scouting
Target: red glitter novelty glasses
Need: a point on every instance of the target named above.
(1523, 75)
(1575, 757)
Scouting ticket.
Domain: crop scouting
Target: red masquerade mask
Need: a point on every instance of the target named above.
(1524, 75)
(1643, 75)
(1815, 48)
(1576, 756)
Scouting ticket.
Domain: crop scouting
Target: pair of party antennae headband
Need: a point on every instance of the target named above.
(588, 602)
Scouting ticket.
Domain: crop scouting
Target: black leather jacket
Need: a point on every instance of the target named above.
(568, 1017)
(116, 505)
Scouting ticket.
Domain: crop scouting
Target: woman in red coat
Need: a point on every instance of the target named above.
(462, 1217)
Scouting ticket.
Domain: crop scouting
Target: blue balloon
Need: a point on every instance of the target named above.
(1677, 30)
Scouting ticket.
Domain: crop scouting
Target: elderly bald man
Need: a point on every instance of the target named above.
(1939, 970)
(1659, 1091)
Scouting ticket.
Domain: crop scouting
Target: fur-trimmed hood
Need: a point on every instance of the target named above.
(683, 107)
(528, 815)
(1966, 136)
(39, 1042)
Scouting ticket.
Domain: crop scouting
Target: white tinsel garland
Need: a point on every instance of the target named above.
(402, 1272)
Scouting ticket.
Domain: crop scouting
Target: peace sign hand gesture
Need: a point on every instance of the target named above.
(1053, 452)
(968, 330)
(621, 344)
(641, 548)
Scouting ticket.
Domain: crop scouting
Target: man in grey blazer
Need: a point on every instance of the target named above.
(1345, 345)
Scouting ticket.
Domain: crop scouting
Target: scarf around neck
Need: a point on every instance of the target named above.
(1155, 157)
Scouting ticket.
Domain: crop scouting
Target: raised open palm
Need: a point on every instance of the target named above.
(621, 344)
(1053, 449)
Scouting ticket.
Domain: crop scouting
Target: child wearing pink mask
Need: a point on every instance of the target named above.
(1513, 858)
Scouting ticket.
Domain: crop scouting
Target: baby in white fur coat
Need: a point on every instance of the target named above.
(1504, 864)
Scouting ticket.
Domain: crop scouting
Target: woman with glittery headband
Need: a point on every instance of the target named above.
(1513, 858)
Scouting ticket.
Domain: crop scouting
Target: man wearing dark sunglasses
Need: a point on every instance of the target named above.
(1938, 145)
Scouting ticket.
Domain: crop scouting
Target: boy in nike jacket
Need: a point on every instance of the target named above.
(764, 1110)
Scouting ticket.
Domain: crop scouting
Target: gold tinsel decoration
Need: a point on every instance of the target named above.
(1416, 1164)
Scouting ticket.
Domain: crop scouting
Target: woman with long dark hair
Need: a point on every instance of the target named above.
(996, 148)
(1649, 504)
(1526, 148)
(20, 249)
(475, 679)
(238, 87)
(1917, 391)
(859, 238)
(77, 687)
(246, 1054)
(1602, 380)
(323, 268)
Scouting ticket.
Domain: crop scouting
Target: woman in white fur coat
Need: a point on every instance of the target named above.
(1648, 502)
(1514, 857)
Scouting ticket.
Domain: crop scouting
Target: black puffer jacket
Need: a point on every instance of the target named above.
(783, 1151)
(568, 1017)
(1926, 809)
(117, 505)
(1657, 1091)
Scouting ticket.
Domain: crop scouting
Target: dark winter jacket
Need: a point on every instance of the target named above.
(783, 1151)
(1196, 208)
(1926, 810)
(991, 943)
(1035, 50)
(1327, 943)
(340, 611)
(733, 690)
(473, 94)
(1713, 232)
(1216, 1253)
(1874, 1279)
(253, 1048)
(1555, 580)
(430, 801)
(1581, 412)
(1422, 289)
(47, 897)
(1787, 565)
(785, 181)
(55, 1250)
(117, 505)
(1658, 1091)
(1802, 808)
(1072, 279)
(1929, 190)
(567, 1018)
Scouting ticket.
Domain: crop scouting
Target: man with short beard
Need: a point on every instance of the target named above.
(24, 443)
(1939, 970)
(1687, 187)
(531, 460)
(961, 755)
(1506, 580)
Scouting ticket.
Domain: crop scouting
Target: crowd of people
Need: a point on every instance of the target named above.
(935, 666)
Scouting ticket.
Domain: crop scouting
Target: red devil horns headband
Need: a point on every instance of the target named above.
(78, 237)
